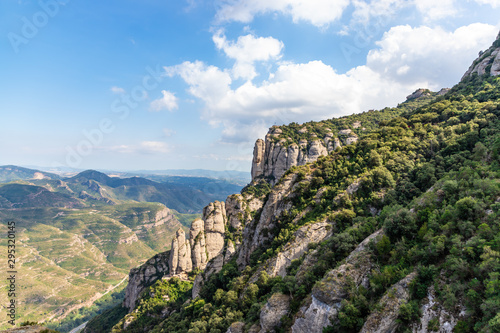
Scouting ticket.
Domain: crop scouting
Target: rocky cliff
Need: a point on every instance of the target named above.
(394, 228)
(276, 154)
(143, 276)
(488, 62)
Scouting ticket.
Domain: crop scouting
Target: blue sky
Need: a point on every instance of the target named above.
(157, 84)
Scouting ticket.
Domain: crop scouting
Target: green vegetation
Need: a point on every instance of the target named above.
(427, 174)
(82, 315)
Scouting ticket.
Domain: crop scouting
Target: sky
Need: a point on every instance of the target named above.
(191, 84)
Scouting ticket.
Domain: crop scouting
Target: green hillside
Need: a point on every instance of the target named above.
(427, 178)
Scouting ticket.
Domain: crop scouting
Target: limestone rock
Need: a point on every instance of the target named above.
(198, 245)
(254, 235)
(272, 158)
(270, 315)
(418, 93)
(180, 254)
(328, 293)
(384, 320)
(487, 63)
(214, 216)
(432, 309)
(197, 284)
(258, 159)
(143, 276)
(294, 249)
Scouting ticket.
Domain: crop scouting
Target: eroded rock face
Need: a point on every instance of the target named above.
(254, 235)
(327, 294)
(432, 309)
(313, 233)
(488, 62)
(270, 315)
(197, 242)
(143, 276)
(384, 320)
(180, 254)
(214, 216)
(271, 159)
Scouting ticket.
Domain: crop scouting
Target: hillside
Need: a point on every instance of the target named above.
(396, 229)
(10, 173)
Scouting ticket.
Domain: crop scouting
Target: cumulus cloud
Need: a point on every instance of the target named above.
(295, 92)
(246, 51)
(434, 10)
(407, 54)
(167, 102)
(405, 59)
(364, 11)
(317, 12)
(117, 90)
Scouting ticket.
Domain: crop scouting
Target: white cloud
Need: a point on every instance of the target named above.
(246, 51)
(317, 12)
(117, 90)
(167, 102)
(295, 92)
(406, 59)
(364, 11)
(149, 147)
(208, 83)
(436, 9)
(492, 3)
(407, 54)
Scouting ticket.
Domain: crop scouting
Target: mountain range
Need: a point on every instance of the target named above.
(385, 221)
(78, 237)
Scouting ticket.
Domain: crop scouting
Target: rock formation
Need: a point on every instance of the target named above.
(385, 319)
(143, 276)
(487, 63)
(328, 293)
(271, 159)
(270, 315)
(180, 254)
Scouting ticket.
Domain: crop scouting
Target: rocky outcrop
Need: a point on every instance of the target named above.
(418, 93)
(435, 317)
(254, 234)
(180, 254)
(214, 216)
(384, 319)
(313, 233)
(487, 63)
(327, 294)
(270, 315)
(237, 216)
(271, 158)
(142, 277)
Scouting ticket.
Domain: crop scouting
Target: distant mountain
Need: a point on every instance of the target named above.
(28, 196)
(240, 177)
(184, 194)
(233, 176)
(10, 173)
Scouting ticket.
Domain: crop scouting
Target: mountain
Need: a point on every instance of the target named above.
(27, 196)
(379, 222)
(184, 194)
(10, 173)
